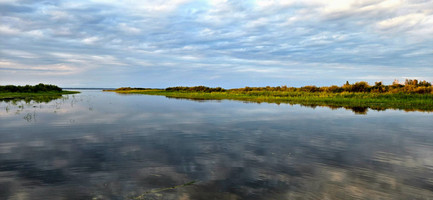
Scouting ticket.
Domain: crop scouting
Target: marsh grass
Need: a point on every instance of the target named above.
(33, 96)
(357, 101)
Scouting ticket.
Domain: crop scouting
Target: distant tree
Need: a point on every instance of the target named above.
(334, 89)
(28, 88)
(361, 86)
(378, 84)
(411, 82)
(378, 87)
(424, 83)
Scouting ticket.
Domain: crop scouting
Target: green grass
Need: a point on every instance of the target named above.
(33, 96)
(355, 101)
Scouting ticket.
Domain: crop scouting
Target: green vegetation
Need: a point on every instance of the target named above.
(411, 96)
(38, 93)
(30, 89)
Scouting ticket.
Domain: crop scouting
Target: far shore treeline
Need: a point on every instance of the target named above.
(409, 86)
(38, 93)
(412, 95)
(30, 89)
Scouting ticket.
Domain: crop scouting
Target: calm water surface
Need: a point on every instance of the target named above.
(98, 145)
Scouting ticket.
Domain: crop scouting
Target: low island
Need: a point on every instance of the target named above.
(413, 95)
(39, 93)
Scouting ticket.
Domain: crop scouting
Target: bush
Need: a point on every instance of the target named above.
(194, 89)
(410, 86)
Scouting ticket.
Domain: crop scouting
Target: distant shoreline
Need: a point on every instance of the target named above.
(72, 88)
(40, 92)
(358, 96)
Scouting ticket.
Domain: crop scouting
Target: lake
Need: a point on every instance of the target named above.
(103, 145)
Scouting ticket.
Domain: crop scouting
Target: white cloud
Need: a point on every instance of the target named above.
(20, 54)
(60, 15)
(90, 40)
(405, 20)
(51, 69)
(129, 29)
(88, 60)
(35, 33)
(154, 6)
(4, 29)
(179, 38)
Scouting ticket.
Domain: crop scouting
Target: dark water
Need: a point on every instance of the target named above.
(97, 145)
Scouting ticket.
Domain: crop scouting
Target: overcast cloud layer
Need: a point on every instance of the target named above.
(104, 43)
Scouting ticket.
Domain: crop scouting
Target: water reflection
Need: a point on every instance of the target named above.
(106, 146)
(360, 110)
(27, 107)
(35, 99)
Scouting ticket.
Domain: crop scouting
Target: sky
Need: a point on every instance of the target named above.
(117, 43)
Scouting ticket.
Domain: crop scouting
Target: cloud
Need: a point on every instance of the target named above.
(19, 54)
(44, 70)
(160, 43)
(6, 30)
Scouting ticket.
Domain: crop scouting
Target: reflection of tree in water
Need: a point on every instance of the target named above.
(227, 164)
(356, 109)
(33, 99)
(359, 110)
(237, 160)
(29, 105)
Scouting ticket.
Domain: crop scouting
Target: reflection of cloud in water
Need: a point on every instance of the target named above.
(233, 150)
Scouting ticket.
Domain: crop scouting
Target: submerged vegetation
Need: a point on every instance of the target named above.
(410, 96)
(39, 93)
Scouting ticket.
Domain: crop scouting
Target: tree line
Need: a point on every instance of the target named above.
(30, 89)
(130, 88)
(195, 89)
(410, 86)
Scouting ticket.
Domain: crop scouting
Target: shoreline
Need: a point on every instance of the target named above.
(357, 101)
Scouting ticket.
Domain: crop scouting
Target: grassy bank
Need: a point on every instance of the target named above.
(357, 101)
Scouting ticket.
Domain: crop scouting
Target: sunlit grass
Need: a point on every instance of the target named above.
(377, 101)
(33, 96)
